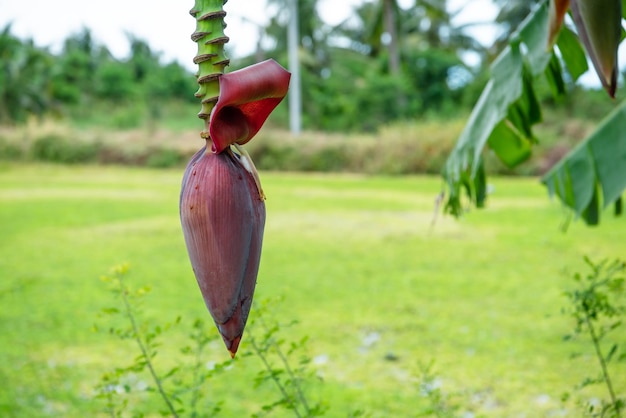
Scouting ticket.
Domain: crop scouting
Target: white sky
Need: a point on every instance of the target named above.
(166, 24)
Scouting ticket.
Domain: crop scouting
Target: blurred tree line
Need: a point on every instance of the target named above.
(384, 63)
(35, 81)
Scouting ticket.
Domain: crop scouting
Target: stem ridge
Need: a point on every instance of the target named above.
(213, 15)
(211, 60)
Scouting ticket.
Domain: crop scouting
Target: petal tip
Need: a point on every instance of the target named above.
(233, 347)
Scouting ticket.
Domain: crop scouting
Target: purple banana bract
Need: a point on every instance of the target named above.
(223, 217)
(222, 207)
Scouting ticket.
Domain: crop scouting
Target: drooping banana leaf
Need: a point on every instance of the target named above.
(507, 109)
(505, 112)
(572, 53)
(593, 175)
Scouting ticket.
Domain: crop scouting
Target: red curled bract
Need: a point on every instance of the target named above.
(247, 97)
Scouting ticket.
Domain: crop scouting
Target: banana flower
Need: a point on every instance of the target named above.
(222, 207)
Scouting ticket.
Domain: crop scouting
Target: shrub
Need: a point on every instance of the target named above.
(127, 118)
(10, 150)
(163, 158)
(58, 149)
(400, 148)
(394, 150)
(328, 158)
(271, 156)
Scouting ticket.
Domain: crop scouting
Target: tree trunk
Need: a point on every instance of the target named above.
(389, 18)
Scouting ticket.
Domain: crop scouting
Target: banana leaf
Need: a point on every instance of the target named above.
(506, 109)
(593, 175)
(589, 178)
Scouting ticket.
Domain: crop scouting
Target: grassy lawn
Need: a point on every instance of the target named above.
(355, 260)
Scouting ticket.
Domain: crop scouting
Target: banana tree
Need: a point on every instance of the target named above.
(593, 175)
(222, 207)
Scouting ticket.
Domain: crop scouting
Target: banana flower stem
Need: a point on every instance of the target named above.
(211, 59)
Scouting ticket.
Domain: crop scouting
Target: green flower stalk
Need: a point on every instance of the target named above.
(211, 59)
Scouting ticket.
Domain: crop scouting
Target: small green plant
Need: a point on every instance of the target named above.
(440, 404)
(185, 379)
(598, 308)
(183, 387)
(276, 355)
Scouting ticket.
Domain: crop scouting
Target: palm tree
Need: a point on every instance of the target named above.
(24, 78)
(374, 29)
(390, 12)
(383, 25)
(312, 36)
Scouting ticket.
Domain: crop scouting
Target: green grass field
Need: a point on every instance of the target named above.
(354, 259)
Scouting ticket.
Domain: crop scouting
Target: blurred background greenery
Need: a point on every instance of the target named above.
(355, 257)
(371, 102)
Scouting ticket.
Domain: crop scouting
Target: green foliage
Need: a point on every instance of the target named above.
(170, 81)
(24, 78)
(130, 118)
(430, 73)
(590, 177)
(186, 393)
(593, 175)
(441, 404)
(143, 334)
(72, 80)
(84, 76)
(58, 149)
(185, 386)
(10, 150)
(505, 112)
(142, 60)
(114, 81)
(279, 370)
(598, 308)
(357, 77)
(381, 99)
(355, 93)
(164, 157)
(348, 80)
(395, 149)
